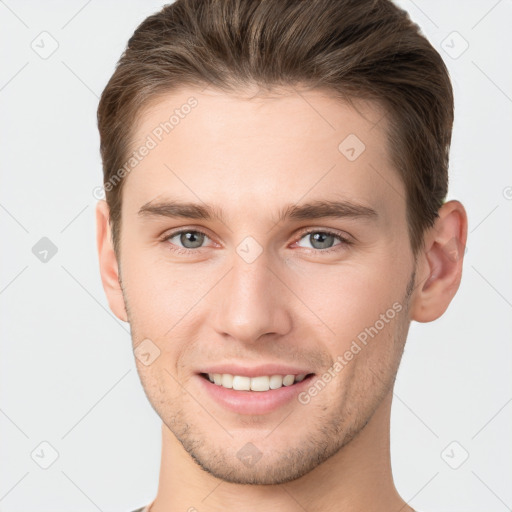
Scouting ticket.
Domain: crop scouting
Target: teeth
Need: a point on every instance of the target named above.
(241, 383)
(227, 381)
(263, 383)
(276, 382)
(260, 383)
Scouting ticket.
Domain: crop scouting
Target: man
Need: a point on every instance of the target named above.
(275, 217)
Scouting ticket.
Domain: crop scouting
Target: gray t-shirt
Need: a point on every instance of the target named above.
(144, 509)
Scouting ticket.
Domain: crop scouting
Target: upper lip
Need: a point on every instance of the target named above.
(256, 371)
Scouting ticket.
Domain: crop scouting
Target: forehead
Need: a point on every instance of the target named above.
(234, 150)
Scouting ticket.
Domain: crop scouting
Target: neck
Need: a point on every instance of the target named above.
(356, 478)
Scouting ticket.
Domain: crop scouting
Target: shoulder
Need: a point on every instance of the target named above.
(145, 508)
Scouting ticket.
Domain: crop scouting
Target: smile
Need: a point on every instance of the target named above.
(260, 383)
(242, 396)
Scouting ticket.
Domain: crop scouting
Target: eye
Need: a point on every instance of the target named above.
(323, 241)
(189, 240)
(186, 239)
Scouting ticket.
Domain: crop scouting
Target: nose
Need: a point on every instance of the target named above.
(252, 301)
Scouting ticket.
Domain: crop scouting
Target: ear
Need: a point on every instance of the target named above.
(440, 263)
(108, 262)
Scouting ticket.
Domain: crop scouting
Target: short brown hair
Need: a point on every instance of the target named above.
(358, 49)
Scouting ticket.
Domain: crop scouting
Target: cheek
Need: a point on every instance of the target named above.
(358, 303)
(161, 292)
(161, 389)
(342, 299)
(347, 297)
(164, 302)
(168, 369)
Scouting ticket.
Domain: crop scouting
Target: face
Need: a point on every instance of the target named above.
(260, 237)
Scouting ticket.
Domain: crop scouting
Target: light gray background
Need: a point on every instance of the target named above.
(67, 372)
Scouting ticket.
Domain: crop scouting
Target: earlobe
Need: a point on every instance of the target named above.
(109, 269)
(441, 263)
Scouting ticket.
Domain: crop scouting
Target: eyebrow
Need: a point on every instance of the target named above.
(318, 209)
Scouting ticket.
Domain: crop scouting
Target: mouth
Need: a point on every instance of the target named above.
(258, 384)
(257, 395)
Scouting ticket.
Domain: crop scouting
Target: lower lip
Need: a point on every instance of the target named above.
(253, 402)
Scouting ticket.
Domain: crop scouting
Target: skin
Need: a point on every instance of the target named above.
(292, 304)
